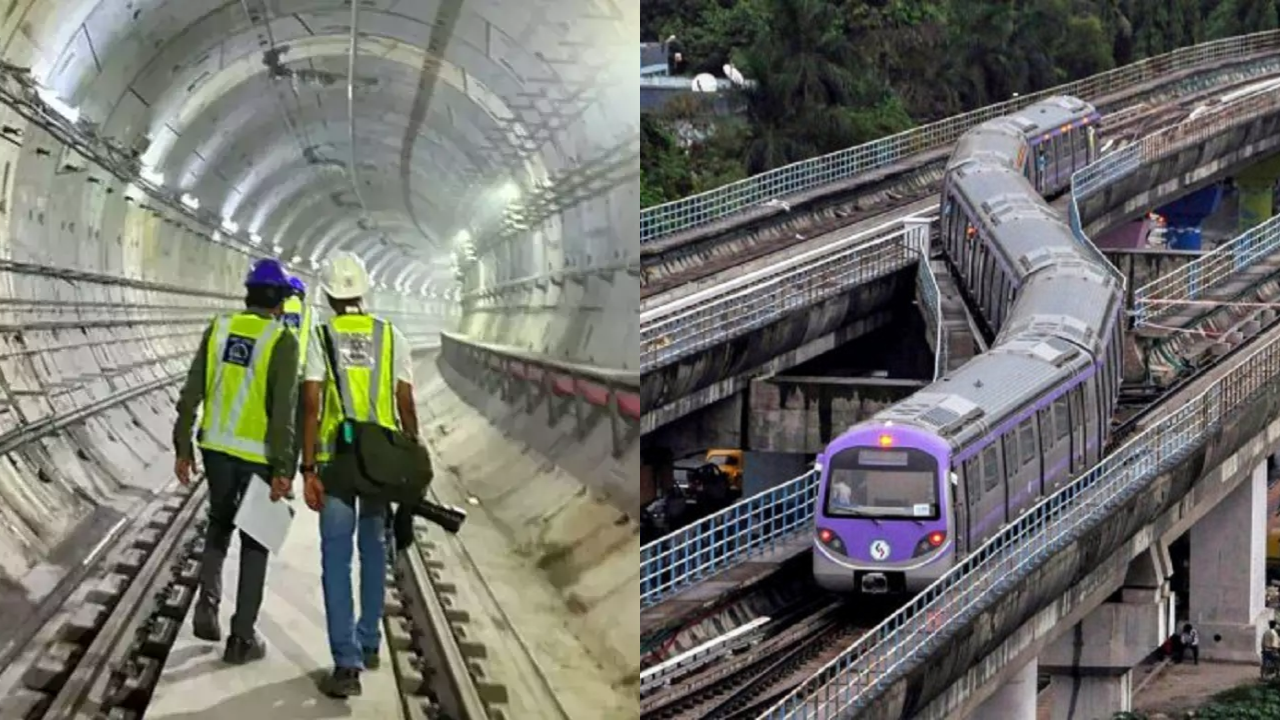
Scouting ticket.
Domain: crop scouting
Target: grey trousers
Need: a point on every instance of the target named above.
(228, 477)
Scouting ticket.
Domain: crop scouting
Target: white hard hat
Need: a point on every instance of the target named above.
(345, 277)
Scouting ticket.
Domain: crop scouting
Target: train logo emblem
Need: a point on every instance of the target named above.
(879, 550)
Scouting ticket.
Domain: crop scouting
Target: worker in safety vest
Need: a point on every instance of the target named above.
(296, 312)
(297, 315)
(358, 368)
(245, 375)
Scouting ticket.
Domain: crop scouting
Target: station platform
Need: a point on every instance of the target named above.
(712, 590)
(197, 685)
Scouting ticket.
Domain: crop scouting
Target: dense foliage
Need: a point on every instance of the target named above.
(835, 73)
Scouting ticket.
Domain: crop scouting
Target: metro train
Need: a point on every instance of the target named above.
(979, 193)
(908, 493)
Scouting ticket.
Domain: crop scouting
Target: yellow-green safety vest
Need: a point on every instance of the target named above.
(235, 385)
(295, 306)
(363, 348)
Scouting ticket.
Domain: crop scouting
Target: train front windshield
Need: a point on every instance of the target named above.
(872, 483)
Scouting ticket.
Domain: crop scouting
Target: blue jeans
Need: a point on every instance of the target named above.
(338, 522)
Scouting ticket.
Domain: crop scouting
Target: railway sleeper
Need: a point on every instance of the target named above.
(133, 678)
(493, 695)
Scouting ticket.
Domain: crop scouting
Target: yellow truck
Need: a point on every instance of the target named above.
(730, 463)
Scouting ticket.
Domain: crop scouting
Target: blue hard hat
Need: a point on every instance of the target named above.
(296, 283)
(267, 272)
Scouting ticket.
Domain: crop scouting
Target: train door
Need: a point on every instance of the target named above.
(1059, 461)
(973, 271)
(988, 302)
(1053, 154)
(1080, 140)
(1011, 479)
(993, 508)
(1078, 431)
(1044, 430)
(1093, 396)
(1030, 471)
(1036, 164)
(965, 494)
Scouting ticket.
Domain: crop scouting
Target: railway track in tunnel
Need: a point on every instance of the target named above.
(1121, 126)
(98, 647)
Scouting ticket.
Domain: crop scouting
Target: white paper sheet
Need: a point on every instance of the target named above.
(265, 521)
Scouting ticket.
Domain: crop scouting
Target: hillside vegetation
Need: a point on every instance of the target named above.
(836, 73)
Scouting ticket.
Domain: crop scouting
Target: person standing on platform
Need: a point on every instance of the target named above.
(245, 374)
(358, 385)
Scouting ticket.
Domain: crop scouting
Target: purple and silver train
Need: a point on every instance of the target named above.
(906, 494)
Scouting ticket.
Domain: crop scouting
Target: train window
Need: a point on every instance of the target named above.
(990, 468)
(1060, 419)
(1027, 441)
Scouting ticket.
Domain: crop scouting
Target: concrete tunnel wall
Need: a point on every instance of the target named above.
(93, 358)
(1055, 582)
(693, 372)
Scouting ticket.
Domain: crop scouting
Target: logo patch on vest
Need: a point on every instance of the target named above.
(355, 350)
(293, 320)
(238, 350)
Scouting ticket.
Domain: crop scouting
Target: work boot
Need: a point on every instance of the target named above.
(204, 622)
(342, 683)
(241, 650)
(371, 659)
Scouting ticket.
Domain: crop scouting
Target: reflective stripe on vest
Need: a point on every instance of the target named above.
(304, 339)
(292, 312)
(235, 400)
(363, 349)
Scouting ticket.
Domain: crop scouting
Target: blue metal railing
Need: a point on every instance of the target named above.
(748, 527)
(856, 678)
(687, 213)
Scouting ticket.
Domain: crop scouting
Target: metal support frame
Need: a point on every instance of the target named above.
(529, 382)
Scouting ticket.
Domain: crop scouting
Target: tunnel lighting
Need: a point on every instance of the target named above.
(230, 225)
(190, 201)
(255, 238)
(463, 237)
(56, 104)
(277, 249)
(151, 175)
(297, 260)
(509, 192)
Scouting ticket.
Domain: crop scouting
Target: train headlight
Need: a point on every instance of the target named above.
(831, 541)
(929, 543)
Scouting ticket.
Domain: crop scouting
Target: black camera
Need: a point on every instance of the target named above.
(448, 517)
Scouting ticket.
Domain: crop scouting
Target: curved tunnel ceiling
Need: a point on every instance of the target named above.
(458, 110)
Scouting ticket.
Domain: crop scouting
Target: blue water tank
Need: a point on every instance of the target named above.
(1184, 238)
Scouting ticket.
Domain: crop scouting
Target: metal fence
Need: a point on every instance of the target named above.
(669, 218)
(1189, 282)
(1162, 295)
(927, 286)
(855, 678)
(708, 319)
(758, 523)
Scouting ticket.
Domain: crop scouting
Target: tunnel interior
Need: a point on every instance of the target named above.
(480, 157)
